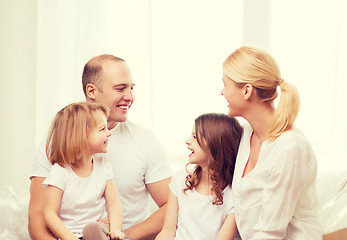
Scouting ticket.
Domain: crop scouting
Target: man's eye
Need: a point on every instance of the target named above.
(120, 89)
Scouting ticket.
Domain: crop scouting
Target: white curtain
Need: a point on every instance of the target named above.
(175, 50)
(309, 41)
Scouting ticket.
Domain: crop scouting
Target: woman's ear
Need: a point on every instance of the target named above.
(247, 91)
(90, 91)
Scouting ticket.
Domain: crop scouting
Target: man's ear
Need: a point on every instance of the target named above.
(91, 91)
(248, 91)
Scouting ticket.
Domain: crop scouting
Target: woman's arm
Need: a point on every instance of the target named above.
(115, 210)
(170, 221)
(51, 209)
(228, 229)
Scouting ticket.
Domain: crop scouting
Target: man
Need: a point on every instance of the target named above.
(139, 163)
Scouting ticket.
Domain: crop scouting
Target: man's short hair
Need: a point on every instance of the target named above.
(93, 70)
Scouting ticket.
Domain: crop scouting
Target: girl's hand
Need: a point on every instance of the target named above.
(118, 235)
(105, 220)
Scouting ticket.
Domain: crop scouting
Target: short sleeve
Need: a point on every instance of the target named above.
(57, 177)
(177, 182)
(108, 168)
(41, 166)
(228, 200)
(158, 167)
(173, 185)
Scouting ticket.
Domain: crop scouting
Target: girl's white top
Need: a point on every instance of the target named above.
(83, 198)
(277, 199)
(197, 217)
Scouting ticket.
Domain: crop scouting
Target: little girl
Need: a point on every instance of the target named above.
(80, 184)
(200, 204)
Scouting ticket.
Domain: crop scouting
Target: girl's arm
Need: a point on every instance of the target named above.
(228, 229)
(51, 209)
(170, 221)
(115, 210)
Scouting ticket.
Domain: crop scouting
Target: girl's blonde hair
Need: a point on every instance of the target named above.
(68, 135)
(251, 65)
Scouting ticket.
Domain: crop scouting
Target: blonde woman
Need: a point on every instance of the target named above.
(275, 172)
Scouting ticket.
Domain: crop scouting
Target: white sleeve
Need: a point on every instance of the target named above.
(57, 177)
(228, 201)
(158, 167)
(108, 168)
(174, 183)
(41, 166)
(290, 175)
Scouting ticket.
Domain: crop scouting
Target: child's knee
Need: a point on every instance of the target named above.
(94, 230)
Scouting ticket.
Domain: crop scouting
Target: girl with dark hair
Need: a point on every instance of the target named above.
(200, 201)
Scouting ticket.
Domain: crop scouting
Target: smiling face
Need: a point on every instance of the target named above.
(115, 90)
(99, 135)
(233, 94)
(198, 155)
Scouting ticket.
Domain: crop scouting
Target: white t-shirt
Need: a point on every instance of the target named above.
(277, 199)
(198, 218)
(137, 159)
(83, 199)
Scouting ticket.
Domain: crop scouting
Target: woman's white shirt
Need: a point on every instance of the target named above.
(277, 199)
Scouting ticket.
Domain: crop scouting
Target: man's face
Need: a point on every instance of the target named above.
(116, 91)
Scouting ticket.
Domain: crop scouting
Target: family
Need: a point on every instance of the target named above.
(96, 171)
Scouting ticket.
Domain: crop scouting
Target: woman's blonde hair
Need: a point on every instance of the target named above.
(68, 135)
(255, 66)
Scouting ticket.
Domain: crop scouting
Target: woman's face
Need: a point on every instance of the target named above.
(233, 94)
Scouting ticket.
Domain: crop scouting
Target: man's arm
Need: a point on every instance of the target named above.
(154, 223)
(37, 226)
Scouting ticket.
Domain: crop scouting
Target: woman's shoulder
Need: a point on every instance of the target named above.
(293, 138)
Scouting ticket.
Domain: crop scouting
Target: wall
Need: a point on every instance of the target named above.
(17, 76)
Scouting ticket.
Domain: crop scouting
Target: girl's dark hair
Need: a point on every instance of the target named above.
(219, 135)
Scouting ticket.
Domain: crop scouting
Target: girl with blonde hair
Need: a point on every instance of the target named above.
(200, 201)
(80, 184)
(275, 172)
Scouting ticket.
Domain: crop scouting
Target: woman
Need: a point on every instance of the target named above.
(275, 173)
